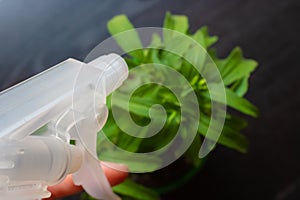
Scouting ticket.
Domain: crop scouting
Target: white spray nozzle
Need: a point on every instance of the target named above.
(40, 116)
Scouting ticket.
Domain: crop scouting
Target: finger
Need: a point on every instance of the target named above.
(67, 187)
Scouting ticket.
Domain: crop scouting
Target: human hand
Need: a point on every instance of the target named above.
(67, 187)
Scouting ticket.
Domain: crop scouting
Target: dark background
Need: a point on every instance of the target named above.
(35, 35)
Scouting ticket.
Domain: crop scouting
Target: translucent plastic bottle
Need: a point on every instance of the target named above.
(40, 116)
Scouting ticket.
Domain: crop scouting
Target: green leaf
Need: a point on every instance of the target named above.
(240, 87)
(197, 57)
(174, 49)
(136, 191)
(177, 23)
(193, 150)
(164, 136)
(241, 104)
(235, 67)
(128, 39)
(236, 122)
(233, 100)
(154, 54)
(229, 137)
(137, 105)
(203, 38)
(134, 163)
(156, 41)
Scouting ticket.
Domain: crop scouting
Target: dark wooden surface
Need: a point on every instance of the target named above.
(35, 35)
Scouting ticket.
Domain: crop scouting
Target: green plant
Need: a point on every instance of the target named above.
(235, 71)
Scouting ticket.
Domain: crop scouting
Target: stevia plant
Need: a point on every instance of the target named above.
(235, 71)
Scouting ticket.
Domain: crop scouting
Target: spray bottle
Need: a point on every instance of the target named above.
(40, 116)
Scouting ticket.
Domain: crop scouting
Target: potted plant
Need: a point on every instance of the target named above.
(234, 71)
